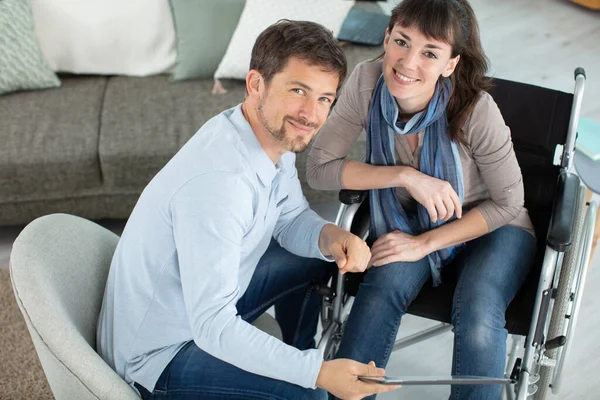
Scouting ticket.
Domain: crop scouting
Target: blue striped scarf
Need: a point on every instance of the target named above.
(439, 158)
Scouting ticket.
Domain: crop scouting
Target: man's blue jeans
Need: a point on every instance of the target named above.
(491, 269)
(281, 279)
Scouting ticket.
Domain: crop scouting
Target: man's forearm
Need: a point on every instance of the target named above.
(300, 233)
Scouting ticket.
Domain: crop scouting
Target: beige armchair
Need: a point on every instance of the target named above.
(59, 265)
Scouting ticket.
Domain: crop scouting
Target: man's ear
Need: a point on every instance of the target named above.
(451, 66)
(254, 83)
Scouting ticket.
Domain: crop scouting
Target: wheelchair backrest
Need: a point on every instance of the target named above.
(538, 119)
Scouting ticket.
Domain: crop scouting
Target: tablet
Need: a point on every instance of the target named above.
(436, 380)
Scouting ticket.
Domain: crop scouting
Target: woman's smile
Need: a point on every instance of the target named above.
(402, 79)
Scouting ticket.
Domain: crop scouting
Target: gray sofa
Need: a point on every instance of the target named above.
(89, 147)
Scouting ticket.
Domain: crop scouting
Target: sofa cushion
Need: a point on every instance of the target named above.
(145, 121)
(50, 139)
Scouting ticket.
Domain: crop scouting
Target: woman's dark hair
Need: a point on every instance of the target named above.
(453, 22)
(308, 41)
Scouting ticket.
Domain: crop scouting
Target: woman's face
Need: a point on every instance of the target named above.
(412, 65)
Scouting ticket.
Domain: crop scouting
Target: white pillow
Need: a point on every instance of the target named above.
(124, 37)
(259, 14)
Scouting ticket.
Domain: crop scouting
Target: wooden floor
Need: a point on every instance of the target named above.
(539, 42)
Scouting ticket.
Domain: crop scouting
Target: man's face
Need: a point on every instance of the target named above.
(296, 102)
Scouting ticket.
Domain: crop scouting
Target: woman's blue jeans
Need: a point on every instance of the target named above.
(281, 279)
(491, 269)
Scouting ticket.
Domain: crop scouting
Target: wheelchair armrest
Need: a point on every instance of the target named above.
(347, 196)
(560, 232)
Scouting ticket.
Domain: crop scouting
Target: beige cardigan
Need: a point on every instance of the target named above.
(492, 177)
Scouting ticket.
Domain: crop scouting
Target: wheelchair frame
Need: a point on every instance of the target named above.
(558, 297)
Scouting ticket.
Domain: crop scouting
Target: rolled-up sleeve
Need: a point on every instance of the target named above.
(492, 149)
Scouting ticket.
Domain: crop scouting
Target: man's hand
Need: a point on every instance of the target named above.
(340, 378)
(350, 252)
(397, 246)
(436, 195)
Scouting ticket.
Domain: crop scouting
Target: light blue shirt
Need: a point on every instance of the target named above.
(188, 252)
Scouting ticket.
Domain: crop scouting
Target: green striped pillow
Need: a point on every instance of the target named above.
(22, 65)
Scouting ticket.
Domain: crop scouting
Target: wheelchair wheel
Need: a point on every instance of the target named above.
(332, 347)
(572, 263)
(333, 337)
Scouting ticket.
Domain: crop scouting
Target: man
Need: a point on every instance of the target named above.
(196, 263)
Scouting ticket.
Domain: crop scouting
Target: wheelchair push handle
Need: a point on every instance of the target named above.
(569, 150)
(579, 71)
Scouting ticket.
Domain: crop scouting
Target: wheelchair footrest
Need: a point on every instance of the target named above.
(558, 341)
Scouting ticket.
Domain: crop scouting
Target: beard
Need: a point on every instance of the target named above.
(294, 144)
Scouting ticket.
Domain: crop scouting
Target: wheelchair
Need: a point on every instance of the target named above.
(542, 317)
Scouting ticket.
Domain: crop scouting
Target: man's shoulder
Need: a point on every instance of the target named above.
(217, 131)
(216, 145)
(214, 154)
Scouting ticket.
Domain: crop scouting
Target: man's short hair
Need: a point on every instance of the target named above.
(305, 40)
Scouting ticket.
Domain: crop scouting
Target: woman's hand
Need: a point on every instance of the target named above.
(397, 246)
(436, 195)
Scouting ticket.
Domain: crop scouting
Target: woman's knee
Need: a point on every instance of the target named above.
(396, 283)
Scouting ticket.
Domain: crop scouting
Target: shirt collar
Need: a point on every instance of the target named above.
(258, 158)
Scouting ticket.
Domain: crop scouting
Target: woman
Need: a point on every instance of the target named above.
(444, 185)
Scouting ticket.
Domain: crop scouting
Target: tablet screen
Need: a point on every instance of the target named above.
(436, 380)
